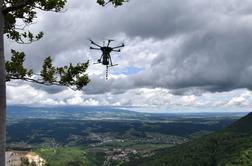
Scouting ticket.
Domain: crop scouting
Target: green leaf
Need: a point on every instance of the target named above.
(15, 67)
(48, 71)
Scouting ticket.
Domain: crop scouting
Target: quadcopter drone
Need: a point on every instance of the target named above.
(105, 58)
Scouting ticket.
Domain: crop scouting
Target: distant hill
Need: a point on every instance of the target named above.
(244, 125)
(68, 112)
(106, 113)
(229, 147)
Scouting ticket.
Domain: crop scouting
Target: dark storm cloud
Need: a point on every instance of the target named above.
(213, 52)
(214, 60)
(49, 89)
(82, 20)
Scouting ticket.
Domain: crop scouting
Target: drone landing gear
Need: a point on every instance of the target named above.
(106, 72)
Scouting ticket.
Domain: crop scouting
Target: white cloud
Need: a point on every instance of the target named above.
(243, 99)
(20, 93)
(25, 94)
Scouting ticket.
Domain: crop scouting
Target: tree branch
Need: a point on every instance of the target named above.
(16, 7)
(41, 82)
(52, 10)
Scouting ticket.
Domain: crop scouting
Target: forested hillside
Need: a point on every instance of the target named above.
(229, 147)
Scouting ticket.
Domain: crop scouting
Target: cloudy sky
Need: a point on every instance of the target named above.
(184, 53)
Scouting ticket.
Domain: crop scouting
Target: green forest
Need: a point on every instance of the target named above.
(230, 147)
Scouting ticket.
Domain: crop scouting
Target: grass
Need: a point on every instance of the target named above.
(63, 156)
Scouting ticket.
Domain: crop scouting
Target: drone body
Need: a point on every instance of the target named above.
(105, 58)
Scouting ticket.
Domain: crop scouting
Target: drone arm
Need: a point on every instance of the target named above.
(118, 46)
(92, 48)
(116, 50)
(92, 42)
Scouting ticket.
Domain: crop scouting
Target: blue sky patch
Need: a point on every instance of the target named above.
(128, 71)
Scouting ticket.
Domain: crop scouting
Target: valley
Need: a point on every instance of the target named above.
(102, 135)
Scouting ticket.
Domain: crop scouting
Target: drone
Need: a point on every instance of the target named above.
(105, 58)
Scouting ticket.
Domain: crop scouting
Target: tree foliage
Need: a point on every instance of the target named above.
(25, 11)
(73, 76)
(24, 161)
(114, 2)
(18, 15)
(15, 68)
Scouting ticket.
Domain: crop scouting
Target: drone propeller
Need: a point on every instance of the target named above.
(91, 41)
(109, 41)
(122, 45)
